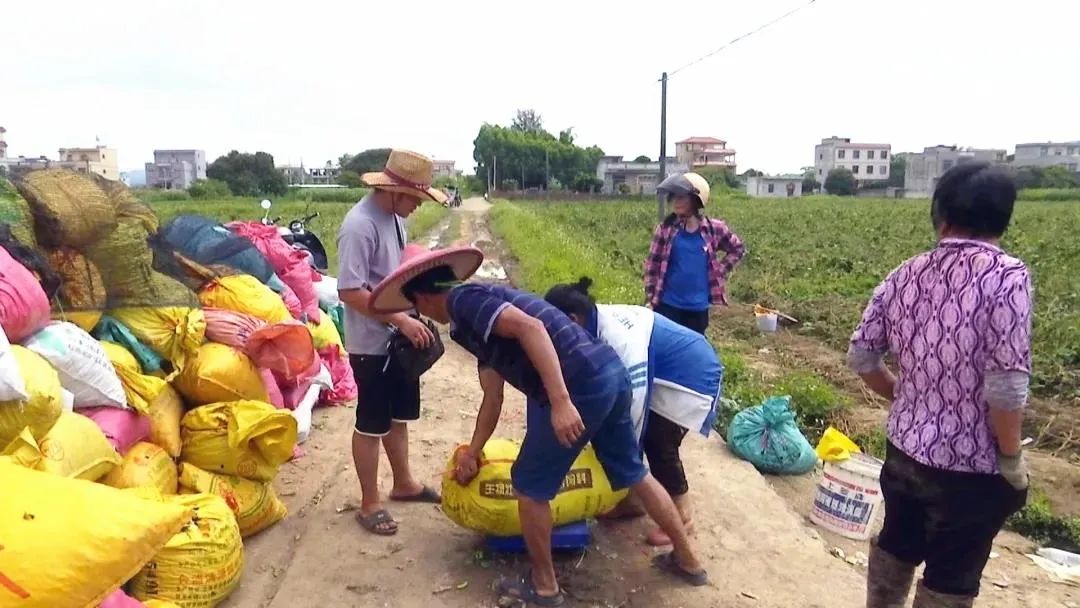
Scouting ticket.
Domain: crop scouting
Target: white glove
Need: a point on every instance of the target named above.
(1014, 469)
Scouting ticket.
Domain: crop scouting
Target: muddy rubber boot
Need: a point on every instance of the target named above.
(925, 598)
(888, 579)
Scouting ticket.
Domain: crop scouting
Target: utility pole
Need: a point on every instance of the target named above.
(663, 142)
(495, 170)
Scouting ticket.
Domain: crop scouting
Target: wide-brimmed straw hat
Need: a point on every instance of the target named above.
(691, 183)
(408, 173)
(387, 296)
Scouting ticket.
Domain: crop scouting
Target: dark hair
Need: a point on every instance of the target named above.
(974, 197)
(572, 298)
(435, 280)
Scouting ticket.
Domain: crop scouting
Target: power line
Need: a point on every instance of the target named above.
(742, 37)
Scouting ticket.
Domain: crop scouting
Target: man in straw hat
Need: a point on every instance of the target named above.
(370, 243)
(578, 392)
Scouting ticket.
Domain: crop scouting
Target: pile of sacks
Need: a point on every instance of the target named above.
(156, 377)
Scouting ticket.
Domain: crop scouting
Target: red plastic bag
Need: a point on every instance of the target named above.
(24, 308)
(230, 328)
(342, 374)
(286, 348)
(290, 264)
(123, 428)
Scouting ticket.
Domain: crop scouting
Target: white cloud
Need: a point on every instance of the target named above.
(316, 80)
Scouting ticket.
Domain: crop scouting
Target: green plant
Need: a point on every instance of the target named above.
(841, 182)
(1037, 522)
(209, 188)
(872, 442)
(815, 401)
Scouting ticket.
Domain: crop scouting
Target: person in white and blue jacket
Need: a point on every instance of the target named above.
(676, 380)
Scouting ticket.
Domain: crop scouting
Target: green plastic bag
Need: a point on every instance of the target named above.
(337, 315)
(114, 331)
(766, 435)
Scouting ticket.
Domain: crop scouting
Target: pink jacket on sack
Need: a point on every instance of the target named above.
(290, 265)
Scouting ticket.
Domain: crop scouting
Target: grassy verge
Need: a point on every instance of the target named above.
(1037, 522)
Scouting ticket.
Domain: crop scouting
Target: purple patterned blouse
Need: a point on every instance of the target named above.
(949, 316)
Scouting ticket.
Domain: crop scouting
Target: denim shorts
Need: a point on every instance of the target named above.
(603, 402)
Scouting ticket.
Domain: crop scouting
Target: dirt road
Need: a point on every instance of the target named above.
(758, 550)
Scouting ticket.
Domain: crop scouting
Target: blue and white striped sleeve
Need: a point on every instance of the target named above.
(476, 308)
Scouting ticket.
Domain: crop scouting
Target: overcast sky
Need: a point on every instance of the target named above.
(313, 80)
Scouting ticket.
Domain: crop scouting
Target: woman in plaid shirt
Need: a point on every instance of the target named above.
(684, 274)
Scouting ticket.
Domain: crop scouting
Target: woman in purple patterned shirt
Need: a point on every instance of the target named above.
(957, 320)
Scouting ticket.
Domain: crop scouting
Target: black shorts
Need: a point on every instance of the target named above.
(385, 397)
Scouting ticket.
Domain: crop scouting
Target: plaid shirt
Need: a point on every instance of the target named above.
(718, 237)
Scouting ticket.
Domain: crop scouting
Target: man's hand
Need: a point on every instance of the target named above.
(466, 466)
(416, 331)
(1014, 469)
(567, 423)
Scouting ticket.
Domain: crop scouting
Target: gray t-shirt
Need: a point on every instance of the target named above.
(368, 250)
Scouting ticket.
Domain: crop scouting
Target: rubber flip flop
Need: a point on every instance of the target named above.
(666, 562)
(372, 523)
(425, 495)
(522, 588)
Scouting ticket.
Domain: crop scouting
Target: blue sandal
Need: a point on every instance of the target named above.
(522, 588)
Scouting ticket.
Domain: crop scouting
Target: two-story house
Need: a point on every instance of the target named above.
(99, 160)
(700, 152)
(1064, 154)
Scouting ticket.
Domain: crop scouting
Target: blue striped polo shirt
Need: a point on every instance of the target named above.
(474, 308)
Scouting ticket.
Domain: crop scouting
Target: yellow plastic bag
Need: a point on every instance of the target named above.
(202, 564)
(245, 294)
(835, 446)
(257, 506)
(220, 373)
(165, 413)
(141, 390)
(172, 332)
(41, 410)
(249, 439)
(144, 465)
(488, 504)
(23, 451)
(69, 542)
(76, 447)
(325, 333)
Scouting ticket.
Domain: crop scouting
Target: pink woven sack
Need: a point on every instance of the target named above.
(341, 372)
(24, 307)
(123, 428)
(231, 328)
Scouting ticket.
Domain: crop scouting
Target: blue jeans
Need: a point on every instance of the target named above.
(603, 402)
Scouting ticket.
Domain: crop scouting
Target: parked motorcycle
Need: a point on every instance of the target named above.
(300, 238)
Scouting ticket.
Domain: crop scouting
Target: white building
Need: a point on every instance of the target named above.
(868, 162)
(444, 168)
(628, 177)
(1065, 154)
(924, 169)
(175, 169)
(774, 186)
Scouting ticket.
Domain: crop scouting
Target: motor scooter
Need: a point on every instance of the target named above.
(299, 237)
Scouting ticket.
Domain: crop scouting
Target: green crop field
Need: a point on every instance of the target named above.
(816, 258)
(325, 226)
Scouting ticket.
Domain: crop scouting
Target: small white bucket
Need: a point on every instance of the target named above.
(766, 321)
(849, 500)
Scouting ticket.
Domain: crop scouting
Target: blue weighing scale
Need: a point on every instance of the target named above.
(571, 537)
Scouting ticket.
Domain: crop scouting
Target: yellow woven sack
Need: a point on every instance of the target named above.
(76, 447)
(23, 451)
(68, 208)
(172, 332)
(220, 373)
(202, 564)
(257, 506)
(159, 604)
(488, 505)
(141, 390)
(41, 410)
(145, 465)
(82, 296)
(249, 439)
(245, 294)
(69, 542)
(325, 333)
(165, 413)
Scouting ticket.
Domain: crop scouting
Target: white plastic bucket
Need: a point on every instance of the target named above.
(766, 321)
(848, 500)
